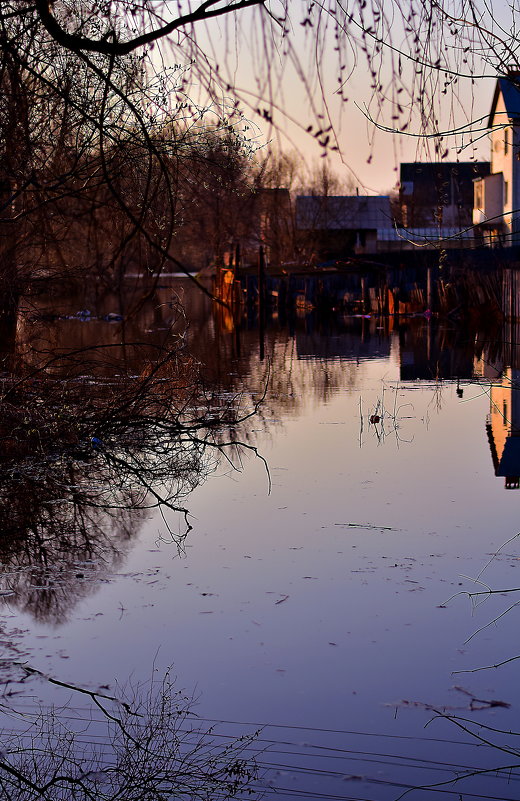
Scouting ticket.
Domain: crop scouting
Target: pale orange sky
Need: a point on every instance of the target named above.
(372, 157)
(369, 158)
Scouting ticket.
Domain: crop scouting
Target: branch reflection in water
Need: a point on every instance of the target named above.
(92, 439)
(144, 745)
(95, 453)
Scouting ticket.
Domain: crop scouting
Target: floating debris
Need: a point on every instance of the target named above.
(368, 526)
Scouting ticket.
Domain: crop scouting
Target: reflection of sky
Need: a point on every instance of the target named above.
(283, 613)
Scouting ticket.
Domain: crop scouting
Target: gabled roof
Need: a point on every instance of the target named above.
(510, 90)
(509, 464)
(342, 212)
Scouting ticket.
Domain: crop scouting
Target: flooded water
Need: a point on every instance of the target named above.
(327, 596)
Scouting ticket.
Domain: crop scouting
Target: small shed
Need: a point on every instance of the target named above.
(343, 224)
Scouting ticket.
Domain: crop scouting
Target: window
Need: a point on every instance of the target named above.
(506, 141)
(478, 194)
(506, 193)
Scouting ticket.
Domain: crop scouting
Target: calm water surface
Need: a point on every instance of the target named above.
(323, 598)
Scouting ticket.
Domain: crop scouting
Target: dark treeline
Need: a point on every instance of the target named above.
(109, 169)
(108, 173)
(103, 195)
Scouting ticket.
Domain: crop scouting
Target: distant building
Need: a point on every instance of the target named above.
(438, 195)
(497, 196)
(428, 238)
(338, 226)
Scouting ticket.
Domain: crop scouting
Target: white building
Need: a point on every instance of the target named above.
(496, 206)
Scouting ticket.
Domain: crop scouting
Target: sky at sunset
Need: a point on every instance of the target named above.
(288, 83)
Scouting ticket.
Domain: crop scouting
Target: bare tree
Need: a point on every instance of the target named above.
(99, 115)
(97, 436)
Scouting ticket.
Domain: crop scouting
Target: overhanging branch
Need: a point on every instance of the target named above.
(115, 47)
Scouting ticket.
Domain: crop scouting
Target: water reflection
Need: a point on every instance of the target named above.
(310, 363)
(102, 421)
(429, 351)
(503, 421)
(55, 548)
(103, 414)
(107, 340)
(144, 743)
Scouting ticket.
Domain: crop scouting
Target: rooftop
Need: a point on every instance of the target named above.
(510, 89)
(343, 212)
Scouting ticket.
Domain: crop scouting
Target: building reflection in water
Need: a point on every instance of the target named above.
(428, 350)
(501, 367)
(503, 425)
(432, 351)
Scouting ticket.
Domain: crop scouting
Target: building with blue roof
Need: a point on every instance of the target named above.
(496, 205)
